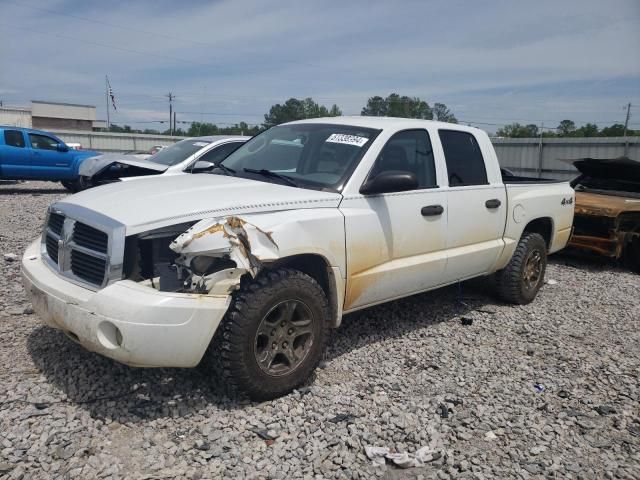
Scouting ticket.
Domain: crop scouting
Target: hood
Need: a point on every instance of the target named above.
(604, 205)
(621, 168)
(94, 165)
(155, 202)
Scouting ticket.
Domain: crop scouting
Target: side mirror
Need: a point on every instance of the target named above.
(390, 181)
(61, 147)
(202, 166)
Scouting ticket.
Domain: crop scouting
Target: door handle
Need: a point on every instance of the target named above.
(493, 203)
(432, 210)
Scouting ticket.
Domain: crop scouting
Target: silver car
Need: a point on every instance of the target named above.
(192, 155)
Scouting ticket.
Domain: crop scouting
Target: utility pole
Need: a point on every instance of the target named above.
(106, 97)
(540, 151)
(626, 124)
(171, 98)
(175, 123)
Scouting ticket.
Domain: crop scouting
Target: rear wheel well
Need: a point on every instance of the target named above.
(542, 226)
(317, 267)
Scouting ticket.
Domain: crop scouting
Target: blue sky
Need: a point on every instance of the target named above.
(491, 62)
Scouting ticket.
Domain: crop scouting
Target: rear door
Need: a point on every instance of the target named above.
(15, 158)
(46, 160)
(477, 207)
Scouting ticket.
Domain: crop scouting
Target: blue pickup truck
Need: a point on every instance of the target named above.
(27, 154)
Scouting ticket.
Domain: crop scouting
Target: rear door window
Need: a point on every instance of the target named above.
(14, 138)
(465, 164)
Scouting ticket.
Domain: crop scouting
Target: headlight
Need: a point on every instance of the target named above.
(200, 265)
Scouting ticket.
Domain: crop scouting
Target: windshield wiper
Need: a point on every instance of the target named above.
(227, 171)
(269, 173)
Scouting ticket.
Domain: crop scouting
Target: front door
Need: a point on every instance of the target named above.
(46, 160)
(396, 241)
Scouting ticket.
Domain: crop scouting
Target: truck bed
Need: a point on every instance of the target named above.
(515, 179)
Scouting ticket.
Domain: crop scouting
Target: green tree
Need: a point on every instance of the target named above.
(376, 107)
(397, 106)
(566, 128)
(615, 130)
(442, 113)
(587, 130)
(515, 130)
(295, 109)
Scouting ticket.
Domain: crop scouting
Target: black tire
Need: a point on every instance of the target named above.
(77, 185)
(516, 283)
(251, 321)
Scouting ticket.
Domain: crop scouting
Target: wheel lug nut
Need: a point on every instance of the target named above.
(274, 345)
(290, 331)
(284, 344)
(273, 332)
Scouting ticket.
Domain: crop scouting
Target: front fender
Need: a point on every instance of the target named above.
(254, 239)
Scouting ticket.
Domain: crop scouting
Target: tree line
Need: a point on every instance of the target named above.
(393, 105)
(566, 128)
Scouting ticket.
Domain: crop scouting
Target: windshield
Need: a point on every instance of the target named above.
(312, 155)
(177, 152)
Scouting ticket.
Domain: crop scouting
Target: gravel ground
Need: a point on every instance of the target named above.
(548, 390)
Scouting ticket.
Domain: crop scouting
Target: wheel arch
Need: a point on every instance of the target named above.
(318, 268)
(542, 226)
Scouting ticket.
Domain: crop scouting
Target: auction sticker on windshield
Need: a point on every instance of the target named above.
(200, 144)
(347, 139)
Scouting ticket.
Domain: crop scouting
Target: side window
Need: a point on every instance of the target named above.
(14, 138)
(42, 142)
(216, 154)
(465, 165)
(411, 151)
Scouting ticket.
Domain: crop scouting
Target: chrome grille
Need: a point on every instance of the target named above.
(77, 250)
(88, 267)
(52, 248)
(90, 237)
(56, 221)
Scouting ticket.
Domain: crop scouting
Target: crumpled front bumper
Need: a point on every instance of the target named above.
(125, 321)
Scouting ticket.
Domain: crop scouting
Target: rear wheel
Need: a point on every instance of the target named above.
(274, 334)
(521, 279)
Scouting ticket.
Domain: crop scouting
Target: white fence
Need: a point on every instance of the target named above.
(536, 157)
(114, 142)
(548, 157)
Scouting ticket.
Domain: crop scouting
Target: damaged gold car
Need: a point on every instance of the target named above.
(607, 211)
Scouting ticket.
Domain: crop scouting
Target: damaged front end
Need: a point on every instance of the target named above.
(208, 257)
(110, 167)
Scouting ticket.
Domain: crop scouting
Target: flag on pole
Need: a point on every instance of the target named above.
(111, 95)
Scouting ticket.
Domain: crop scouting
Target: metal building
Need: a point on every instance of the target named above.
(15, 117)
(52, 116)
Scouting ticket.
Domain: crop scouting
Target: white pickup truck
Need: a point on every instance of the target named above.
(303, 223)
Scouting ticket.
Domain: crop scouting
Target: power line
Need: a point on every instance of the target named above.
(105, 45)
(107, 24)
(133, 29)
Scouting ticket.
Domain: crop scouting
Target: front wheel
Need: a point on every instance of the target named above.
(523, 276)
(77, 185)
(274, 333)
